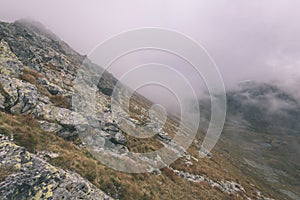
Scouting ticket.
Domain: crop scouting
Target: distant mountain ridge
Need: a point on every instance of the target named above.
(265, 107)
(260, 106)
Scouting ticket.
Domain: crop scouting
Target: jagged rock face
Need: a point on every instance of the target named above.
(18, 97)
(38, 48)
(9, 63)
(57, 65)
(33, 178)
(53, 66)
(21, 97)
(43, 45)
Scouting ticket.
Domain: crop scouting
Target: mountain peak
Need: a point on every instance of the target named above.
(37, 27)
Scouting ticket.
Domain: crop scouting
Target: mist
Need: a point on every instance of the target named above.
(248, 40)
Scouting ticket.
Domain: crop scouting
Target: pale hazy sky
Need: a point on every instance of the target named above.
(253, 39)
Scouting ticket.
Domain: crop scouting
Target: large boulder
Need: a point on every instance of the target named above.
(30, 177)
(66, 120)
(20, 97)
(62, 116)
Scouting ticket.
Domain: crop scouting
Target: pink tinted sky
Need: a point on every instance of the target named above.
(256, 39)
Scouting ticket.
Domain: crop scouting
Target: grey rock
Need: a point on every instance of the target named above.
(52, 88)
(95, 141)
(22, 97)
(2, 102)
(118, 138)
(49, 127)
(68, 134)
(65, 118)
(204, 153)
(62, 116)
(9, 63)
(109, 128)
(33, 178)
(229, 187)
(164, 137)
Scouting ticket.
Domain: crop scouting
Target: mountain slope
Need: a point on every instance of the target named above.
(37, 71)
(262, 134)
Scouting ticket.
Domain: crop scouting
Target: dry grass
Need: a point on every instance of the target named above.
(43, 90)
(4, 172)
(28, 78)
(33, 72)
(32, 76)
(117, 184)
(60, 101)
(220, 167)
(3, 92)
(51, 66)
(132, 186)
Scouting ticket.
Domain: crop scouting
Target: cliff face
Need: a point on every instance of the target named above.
(42, 157)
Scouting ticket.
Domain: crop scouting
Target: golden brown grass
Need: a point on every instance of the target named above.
(133, 186)
(60, 101)
(6, 171)
(3, 92)
(31, 76)
(117, 184)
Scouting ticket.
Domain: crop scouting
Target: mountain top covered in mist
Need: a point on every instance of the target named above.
(265, 107)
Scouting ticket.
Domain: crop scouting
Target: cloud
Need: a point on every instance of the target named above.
(256, 40)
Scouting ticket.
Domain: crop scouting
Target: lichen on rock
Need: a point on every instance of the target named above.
(34, 178)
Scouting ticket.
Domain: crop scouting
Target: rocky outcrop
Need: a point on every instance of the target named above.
(32, 178)
(226, 186)
(9, 63)
(51, 88)
(21, 97)
(229, 187)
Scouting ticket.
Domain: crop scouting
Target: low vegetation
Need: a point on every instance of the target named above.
(26, 133)
(32, 76)
(6, 171)
(3, 92)
(60, 101)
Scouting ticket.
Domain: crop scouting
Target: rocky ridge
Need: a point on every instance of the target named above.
(37, 71)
